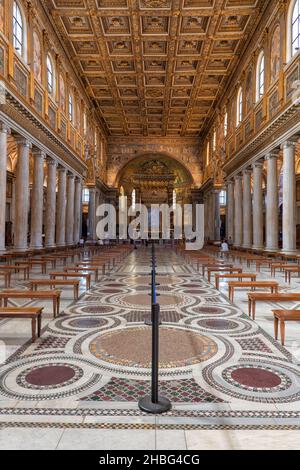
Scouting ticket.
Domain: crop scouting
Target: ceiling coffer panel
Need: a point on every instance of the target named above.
(155, 67)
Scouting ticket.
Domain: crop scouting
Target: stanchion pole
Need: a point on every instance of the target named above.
(154, 403)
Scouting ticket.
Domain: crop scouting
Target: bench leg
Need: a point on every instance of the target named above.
(282, 332)
(33, 329)
(39, 325)
(276, 327)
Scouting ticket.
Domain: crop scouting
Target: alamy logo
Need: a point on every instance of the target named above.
(159, 222)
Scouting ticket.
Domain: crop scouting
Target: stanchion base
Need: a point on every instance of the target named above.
(163, 405)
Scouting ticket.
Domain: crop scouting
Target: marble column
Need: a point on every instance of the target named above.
(258, 216)
(230, 210)
(4, 130)
(238, 211)
(289, 218)
(70, 209)
(247, 209)
(22, 196)
(205, 217)
(37, 200)
(217, 215)
(77, 210)
(92, 214)
(50, 204)
(61, 207)
(272, 203)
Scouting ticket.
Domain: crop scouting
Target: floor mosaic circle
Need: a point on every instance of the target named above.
(218, 324)
(257, 378)
(142, 300)
(88, 323)
(132, 347)
(49, 376)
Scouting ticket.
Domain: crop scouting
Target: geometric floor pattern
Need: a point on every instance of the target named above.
(217, 366)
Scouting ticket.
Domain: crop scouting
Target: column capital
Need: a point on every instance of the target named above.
(4, 128)
(36, 152)
(238, 177)
(271, 156)
(61, 168)
(247, 171)
(51, 161)
(70, 175)
(258, 164)
(78, 179)
(288, 144)
(23, 142)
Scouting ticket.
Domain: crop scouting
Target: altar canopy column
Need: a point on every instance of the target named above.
(238, 211)
(289, 218)
(61, 207)
(272, 208)
(258, 219)
(50, 216)
(247, 209)
(22, 195)
(37, 200)
(4, 131)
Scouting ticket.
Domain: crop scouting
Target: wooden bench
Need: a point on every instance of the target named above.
(239, 276)
(34, 262)
(254, 297)
(213, 264)
(212, 270)
(273, 285)
(289, 270)
(35, 314)
(15, 268)
(53, 295)
(276, 266)
(57, 282)
(281, 316)
(66, 275)
(84, 269)
(92, 264)
(7, 278)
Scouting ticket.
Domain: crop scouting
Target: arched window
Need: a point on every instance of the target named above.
(239, 106)
(293, 29)
(50, 76)
(122, 199)
(226, 124)
(260, 76)
(71, 108)
(18, 30)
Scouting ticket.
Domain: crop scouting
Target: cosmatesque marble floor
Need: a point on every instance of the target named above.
(232, 386)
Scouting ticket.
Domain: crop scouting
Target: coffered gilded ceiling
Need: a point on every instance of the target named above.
(155, 67)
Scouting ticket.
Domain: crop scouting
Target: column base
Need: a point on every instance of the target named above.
(61, 245)
(20, 249)
(51, 245)
(271, 250)
(247, 247)
(289, 252)
(40, 247)
(258, 248)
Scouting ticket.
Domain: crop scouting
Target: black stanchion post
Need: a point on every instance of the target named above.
(154, 403)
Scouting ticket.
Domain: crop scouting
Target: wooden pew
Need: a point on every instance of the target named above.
(239, 276)
(53, 295)
(78, 275)
(273, 285)
(34, 313)
(24, 268)
(222, 269)
(84, 269)
(34, 284)
(7, 278)
(289, 270)
(254, 297)
(281, 316)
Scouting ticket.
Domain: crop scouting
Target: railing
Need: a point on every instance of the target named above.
(154, 403)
